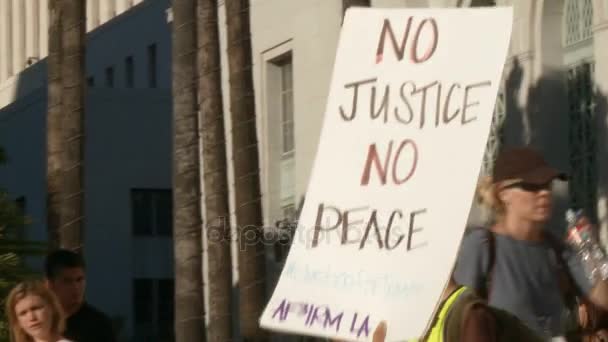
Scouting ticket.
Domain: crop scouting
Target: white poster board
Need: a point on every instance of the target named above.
(407, 119)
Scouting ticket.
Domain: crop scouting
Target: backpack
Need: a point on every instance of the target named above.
(508, 327)
(578, 330)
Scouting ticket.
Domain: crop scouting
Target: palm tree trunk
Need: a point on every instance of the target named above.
(73, 37)
(54, 138)
(248, 207)
(346, 4)
(189, 303)
(215, 177)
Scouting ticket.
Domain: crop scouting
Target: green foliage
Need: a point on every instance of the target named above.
(13, 248)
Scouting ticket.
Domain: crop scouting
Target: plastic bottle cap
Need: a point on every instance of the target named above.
(570, 215)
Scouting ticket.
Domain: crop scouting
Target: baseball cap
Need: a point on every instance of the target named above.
(526, 165)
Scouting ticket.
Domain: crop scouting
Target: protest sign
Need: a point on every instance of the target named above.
(407, 119)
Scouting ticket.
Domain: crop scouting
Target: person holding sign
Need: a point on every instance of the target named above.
(514, 263)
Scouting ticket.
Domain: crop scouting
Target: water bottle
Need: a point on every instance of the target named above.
(580, 236)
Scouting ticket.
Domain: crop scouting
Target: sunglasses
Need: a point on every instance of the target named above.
(529, 187)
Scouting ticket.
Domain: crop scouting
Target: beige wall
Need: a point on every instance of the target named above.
(309, 29)
(534, 77)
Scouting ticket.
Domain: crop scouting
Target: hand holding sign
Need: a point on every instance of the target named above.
(408, 114)
(380, 332)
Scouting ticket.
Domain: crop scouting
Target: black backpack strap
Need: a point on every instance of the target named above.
(567, 284)
(489, 274)
(570, 293)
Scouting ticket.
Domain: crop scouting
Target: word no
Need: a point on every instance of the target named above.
(382, 168)
(387, 31)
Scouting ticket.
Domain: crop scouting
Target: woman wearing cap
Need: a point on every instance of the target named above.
(514, 263)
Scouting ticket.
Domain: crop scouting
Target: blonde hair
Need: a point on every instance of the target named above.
(36, 288)
(487, 196)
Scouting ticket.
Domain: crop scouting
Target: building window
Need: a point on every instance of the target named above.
(578, 61)
(284, 67)
(143, 301)
(289, 211)
(483, 3)
(152, 212)
(129, 72)
(578, 21)
(110, 77)
(286, 228)
(280, 112)
(152, 67)
(278, 88)
(153, 309)
(583, 163)
(286, 90)
(21, 204)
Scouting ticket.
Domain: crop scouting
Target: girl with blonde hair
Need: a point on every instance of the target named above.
(34, 314)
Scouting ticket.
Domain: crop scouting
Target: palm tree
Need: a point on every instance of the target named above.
(215, 178)
(73, 24)
(189, 303)
(248, 207)
(346, 4)
(54, 138)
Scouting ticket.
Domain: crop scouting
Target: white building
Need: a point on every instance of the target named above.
(128, 150)
(553, 94)
(553, 97)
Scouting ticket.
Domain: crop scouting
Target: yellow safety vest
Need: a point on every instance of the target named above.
(438, 328)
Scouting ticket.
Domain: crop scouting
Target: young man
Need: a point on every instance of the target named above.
(65, 276)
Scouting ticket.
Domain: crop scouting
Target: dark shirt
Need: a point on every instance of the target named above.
(89, 325)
